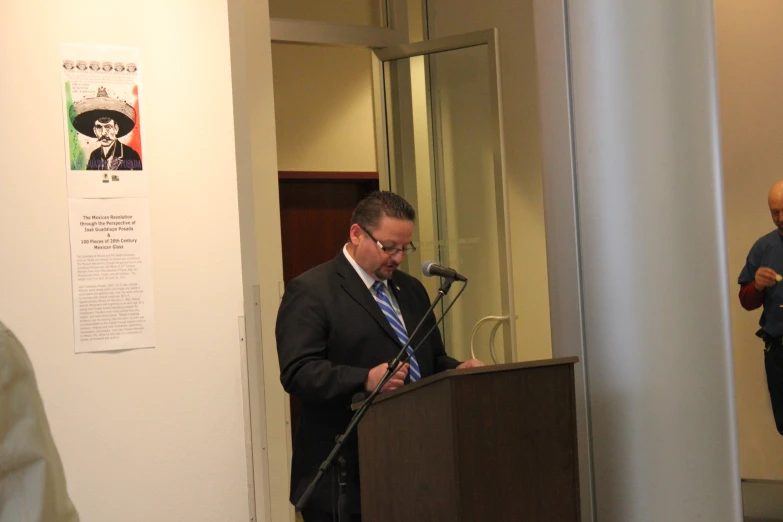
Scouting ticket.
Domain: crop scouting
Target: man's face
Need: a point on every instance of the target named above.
(106, 131)
(776, 211)
(389, 232)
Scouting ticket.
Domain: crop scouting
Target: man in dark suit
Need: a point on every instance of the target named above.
(107, 119)
(111, 154)
(339, 325)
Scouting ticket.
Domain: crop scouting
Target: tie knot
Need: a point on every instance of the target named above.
(378, 287)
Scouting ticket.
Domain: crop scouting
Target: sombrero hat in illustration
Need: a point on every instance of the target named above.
(86, 112)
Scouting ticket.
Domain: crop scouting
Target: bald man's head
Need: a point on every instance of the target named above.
(775, 200)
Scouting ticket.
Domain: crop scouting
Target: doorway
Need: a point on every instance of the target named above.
(315, 214)
(442, 117)
(327, 162)
(322, 174)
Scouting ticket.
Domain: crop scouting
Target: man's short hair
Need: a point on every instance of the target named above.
(381, 203)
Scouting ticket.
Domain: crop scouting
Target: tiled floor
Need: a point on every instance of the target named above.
(762, 500)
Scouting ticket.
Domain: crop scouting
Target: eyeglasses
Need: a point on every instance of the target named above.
(391, 250)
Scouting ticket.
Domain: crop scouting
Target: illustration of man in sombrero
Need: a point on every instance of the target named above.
(106, 119)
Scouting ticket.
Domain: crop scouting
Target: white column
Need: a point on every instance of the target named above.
(636, 254)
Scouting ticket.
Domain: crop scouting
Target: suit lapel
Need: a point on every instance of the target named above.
(355, 287)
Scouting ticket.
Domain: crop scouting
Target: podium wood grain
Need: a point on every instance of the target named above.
(486, 444)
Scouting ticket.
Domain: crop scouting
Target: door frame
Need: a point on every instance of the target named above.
(489, 38)
(387, 42)
(286, 31)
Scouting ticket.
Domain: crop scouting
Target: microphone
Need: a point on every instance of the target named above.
(429, 268)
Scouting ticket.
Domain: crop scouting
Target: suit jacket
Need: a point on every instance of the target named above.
(330, 333)
(125, 158)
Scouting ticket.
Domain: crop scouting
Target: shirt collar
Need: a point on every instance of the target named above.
(367, 278)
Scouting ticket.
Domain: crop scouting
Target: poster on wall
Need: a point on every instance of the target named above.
(102, 120)
(111, 266)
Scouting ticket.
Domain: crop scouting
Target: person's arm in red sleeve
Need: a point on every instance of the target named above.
(752, 294)
(751, 297)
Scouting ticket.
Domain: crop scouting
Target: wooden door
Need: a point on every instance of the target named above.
(315, 215)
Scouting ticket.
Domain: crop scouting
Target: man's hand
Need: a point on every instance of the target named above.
(765, 277)
(377, 373)
(470, 363)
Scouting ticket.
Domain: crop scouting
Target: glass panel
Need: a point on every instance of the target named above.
(352, 12)
(442, 132)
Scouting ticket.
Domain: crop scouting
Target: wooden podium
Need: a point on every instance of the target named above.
(490, 444)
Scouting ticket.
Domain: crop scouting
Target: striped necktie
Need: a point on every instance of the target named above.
(394, 320)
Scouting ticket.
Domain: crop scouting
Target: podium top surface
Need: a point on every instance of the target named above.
(454, 374)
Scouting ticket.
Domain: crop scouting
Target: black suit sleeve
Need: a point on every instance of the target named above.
(302, 331)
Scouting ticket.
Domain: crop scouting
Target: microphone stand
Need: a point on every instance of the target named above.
(416, 349)
(391, 369)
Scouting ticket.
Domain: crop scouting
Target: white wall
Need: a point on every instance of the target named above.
(323, 95)
(514, 20)
(353, 12)
(324, 108)
(750, 43)
(154, 435)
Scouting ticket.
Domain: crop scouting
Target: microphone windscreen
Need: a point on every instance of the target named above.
(425, 267)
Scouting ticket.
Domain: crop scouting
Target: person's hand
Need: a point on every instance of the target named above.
(765, 277)
(377, 373)
(470, 363)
